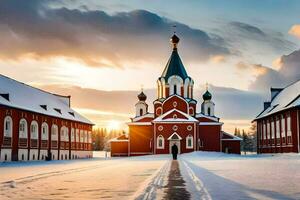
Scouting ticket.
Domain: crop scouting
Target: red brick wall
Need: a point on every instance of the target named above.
(168, 131)
(119, 148)
(233, 146)
(140, 139)
(181, 104)
(210, 135)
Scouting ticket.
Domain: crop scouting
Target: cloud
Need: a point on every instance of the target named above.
(295, 31)
(35, 28)
(218, 59)
(286, 74)
(253, 43)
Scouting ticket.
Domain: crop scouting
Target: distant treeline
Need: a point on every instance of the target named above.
(101, 136)
(249, 139)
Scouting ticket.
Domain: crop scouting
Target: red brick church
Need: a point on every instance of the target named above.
(175, 120)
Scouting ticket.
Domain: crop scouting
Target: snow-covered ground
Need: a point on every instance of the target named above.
(206, 176)
(223, 176)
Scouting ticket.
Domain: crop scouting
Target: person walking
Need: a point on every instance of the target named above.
(174, 151)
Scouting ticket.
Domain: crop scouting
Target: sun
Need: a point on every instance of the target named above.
(113, 125)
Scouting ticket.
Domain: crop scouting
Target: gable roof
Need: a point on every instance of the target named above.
(174, 67)
(32, 99)
(188, 118)
(287, 98)
(175, 136)
(232, 137)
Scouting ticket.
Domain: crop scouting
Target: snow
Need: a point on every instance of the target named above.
(284, 100)
(207, 175)
(25, 97)
(224, 176)
(98, 178)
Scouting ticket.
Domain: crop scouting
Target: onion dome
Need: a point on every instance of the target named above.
(142, 96)
(207, 96)
(174, 40)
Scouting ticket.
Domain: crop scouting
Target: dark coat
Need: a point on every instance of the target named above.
(174, 149)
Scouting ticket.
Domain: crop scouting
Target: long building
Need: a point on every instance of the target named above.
(38, 125)
(278, 123)
(176, 119)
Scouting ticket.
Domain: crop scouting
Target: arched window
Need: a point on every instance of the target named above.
(54, 132)
(8, 126)
(191, 111)
(23, 129)
(141, 112)
(66, 134)
(77, 135)
(160, 142)
(34, 130)
(208, 111)
(175, 89)
(158, 111)
(63, 134)
(81, 136)
(85, 137)
(45, 131)
(189, 142)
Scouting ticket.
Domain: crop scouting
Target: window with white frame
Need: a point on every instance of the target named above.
(264, 131)
(81, 136)
(272, 130)
(34, 133)
(160, 142)
(45, 131)
(72, 135)
(282, 126)
(77, 135)
(277, 129)
(85, 137)
(66, 134)
(268, 130)
(8, 126)
(54, 132)
(63, 134)
(23, 129)
(189, 142)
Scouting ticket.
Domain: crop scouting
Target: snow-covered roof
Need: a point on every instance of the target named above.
(233, 137)
(19, 95)
(208, 117)
(148, 115)
(287, 98)
(188, 117)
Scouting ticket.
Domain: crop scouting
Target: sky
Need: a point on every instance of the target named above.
(102, 52)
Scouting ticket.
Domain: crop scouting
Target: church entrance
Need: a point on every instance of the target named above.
(177, 143)
(174, 139)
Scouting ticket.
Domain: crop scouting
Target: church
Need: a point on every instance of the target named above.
(175, 120)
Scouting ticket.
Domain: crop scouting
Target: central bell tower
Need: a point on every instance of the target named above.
(174, 79)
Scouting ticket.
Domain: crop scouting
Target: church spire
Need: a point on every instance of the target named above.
(174, 65)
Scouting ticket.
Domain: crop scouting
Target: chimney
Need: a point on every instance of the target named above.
(275, 92)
